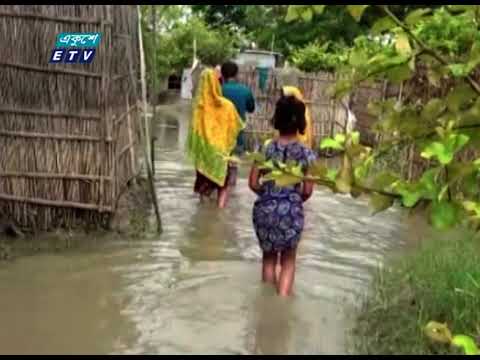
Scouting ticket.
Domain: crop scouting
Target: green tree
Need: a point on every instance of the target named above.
(219, 16)
(170, 48)
(443, 43)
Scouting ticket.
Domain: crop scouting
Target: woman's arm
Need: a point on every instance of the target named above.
(307, 189)
(253, 179)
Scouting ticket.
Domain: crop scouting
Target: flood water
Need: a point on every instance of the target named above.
(196, 288)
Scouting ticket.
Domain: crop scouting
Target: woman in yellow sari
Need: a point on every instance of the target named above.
(212, 137)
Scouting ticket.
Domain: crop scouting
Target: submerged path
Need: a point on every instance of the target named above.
(196, 288)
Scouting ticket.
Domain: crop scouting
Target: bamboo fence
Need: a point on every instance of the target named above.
(329, 116)
(68, 132)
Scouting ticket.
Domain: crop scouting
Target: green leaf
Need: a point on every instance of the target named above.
(438, 150)
(459, 70)
(318, 169)
(344, 179)
(434, 75)
(341, 88)
(402, 45)
(363, 169)
(455, 142)
(255, 157)
(354, 137)
(284, 180)
(379, 203)
(357, 11)
(442, 193)
(474, 58)
(444, 215)
(467, 344)
(307, 15)
(469, 185)
(426, 188)
(293, 13)
(267, 165)
(445, 151)
(296, 171)
(384, 180)
(319, 9)
(233, 159)
(332, 174)
(412, 63)
(433, 109)
(399, 74)
(460, 96)
(382, 25)
(382, 63)
(329, 143)
(358, 57)
(410, 194)
(472, 207)
(461, 8)
(340, 138)
(355, 150)
(415, 16)
(458, 171)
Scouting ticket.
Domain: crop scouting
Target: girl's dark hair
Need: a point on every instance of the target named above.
(289, 117)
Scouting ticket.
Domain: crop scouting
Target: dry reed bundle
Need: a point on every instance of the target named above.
(68, 132)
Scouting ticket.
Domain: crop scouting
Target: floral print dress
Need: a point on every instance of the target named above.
(278, 216)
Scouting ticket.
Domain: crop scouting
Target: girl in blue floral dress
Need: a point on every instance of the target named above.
(278, 216)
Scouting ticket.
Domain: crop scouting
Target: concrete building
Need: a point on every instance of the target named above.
(259, 58)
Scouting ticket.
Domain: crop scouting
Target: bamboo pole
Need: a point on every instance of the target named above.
(67, 204)
(62, 176)
(131, 141)
(154, 82)
(37, 112)
(146, 131)
(50, 70)
(37, 136)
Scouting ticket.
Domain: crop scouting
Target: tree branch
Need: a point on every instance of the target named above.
(473, 83)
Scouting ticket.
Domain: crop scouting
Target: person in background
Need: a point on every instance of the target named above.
(212, 137)
(242, 97)
(278, 216)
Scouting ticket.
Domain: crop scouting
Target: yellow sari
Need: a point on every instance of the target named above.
(213, 130)
(307, 138)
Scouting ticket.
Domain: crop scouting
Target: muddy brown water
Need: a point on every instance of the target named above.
(195, 289)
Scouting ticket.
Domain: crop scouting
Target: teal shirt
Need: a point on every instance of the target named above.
(241, 96)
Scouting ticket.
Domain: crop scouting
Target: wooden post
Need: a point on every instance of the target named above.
(146, 134)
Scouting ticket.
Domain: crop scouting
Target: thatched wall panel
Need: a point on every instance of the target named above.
(61, 164)
(39, 91)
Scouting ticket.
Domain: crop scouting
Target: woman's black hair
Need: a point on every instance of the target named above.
(289, 117)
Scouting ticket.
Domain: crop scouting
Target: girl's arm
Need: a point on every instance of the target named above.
(307, 189)
(253, 179)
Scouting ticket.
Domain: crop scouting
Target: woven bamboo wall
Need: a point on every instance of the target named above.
(67, 131)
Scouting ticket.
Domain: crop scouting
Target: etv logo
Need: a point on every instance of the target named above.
(72, 48)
